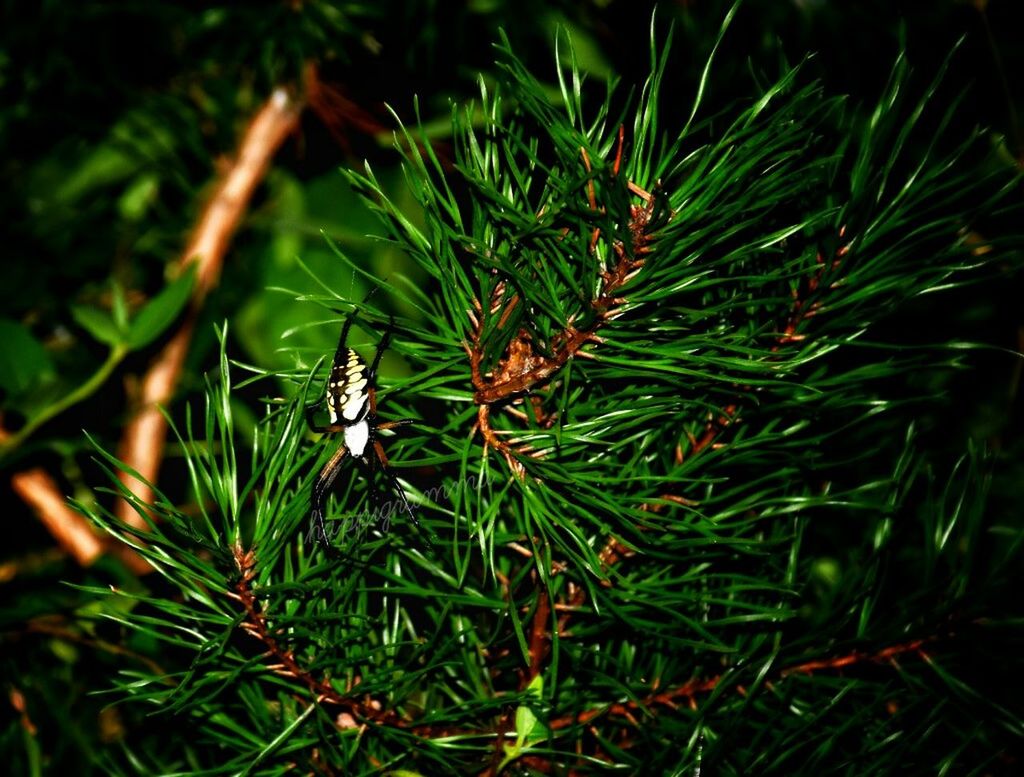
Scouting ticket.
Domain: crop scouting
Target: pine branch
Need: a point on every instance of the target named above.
(727, 487)
(256, 624)
(689, 691)
(524, 366)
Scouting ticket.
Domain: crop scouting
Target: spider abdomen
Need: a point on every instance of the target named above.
(347, 390)
(357, 436)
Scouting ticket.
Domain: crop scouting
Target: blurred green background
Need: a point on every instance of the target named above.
(116, 118)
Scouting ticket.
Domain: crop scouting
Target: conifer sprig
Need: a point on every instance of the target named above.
(675, 342)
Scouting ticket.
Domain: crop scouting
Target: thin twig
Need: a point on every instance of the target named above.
(57, 626)
(142, 442)
(256, 625)
(338, 112)
(699, 686)
(71, 530)
(540, 638)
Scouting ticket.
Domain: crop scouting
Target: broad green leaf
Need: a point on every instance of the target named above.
(97, 323)
(107, 164)
(23, 359)
(161, 311)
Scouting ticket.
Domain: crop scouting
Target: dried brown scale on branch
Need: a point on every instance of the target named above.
(523, 367)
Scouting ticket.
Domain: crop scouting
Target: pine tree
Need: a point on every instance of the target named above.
(675, 512)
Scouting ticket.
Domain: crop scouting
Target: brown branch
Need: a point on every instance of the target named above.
(540, 639)
(257, 626)
(498, 751)
(712, 430)
(696, 687)
(856, 657)
(142, 441)
(354, 711)
(803, 307)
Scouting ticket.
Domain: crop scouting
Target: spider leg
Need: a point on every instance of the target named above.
(396, 487)
(311, 411)
(372, 494)
(343, 339)
(381, 347)
(322, 485)
(393, 424)
(318, 498)
(329, 429)
(371, 389)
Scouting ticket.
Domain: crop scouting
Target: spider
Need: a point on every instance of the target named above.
(351, 400)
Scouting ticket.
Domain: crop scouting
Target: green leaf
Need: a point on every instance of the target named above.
(23, 359)
(134, 203)
(161, 311)
(119, 307)
(97, 323)
(529, 727)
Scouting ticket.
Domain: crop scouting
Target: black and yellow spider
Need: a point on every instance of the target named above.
(351, 401)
